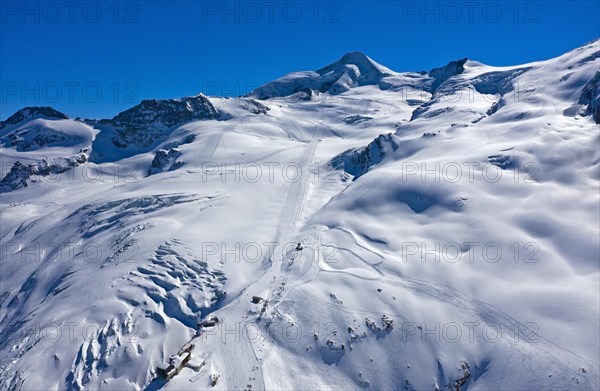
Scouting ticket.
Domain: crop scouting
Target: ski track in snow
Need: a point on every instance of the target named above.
(244, 351)
(350, 269)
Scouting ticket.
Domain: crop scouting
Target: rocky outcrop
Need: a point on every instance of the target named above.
(356, 119)
(21, 175)
(39, 140)
(358, 161)
(152, 120)
(590, 96)
(441, 74)
(165, 160)
(255, 107)
(457, 384)
(30, 113)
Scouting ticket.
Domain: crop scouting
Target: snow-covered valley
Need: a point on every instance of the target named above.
(346, 228)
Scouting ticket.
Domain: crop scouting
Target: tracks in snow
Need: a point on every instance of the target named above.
(242, 355)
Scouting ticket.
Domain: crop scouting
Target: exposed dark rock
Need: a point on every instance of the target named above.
(356, 119)
(255, 107)
(152, 120)
(30, 113)
(165, 161)
(357, 161)
(21, 175)
(441, 74)
(461, 381)
(505, 162)
(590, 96)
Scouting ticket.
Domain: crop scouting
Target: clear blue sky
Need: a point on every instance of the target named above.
(96, 58)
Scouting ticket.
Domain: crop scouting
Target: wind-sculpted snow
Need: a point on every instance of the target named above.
(490, 88)
(347, 228)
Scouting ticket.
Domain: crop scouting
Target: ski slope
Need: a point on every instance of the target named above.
(432, 230)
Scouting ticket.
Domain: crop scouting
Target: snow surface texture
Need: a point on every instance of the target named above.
(350, 228)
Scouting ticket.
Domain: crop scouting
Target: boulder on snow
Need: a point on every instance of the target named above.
(214, 378)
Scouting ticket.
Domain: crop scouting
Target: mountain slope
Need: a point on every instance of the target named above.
(350, 228)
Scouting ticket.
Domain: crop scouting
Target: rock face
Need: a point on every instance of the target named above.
(165, 161)
(152, 120)
(30, 113)
(357, 161)
(20, 175)
(442, 74)
(590, 96)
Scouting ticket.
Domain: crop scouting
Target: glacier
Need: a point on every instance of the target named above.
(351, 227)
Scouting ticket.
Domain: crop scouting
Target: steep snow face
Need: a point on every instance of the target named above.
(382, 234)
(354, 68)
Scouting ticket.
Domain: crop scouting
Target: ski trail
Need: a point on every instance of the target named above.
(247, 366)
(291, 211)
(210, 146)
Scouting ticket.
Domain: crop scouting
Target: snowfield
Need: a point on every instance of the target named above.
(347, 228)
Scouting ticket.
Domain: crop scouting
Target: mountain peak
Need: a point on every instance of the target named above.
(366, 66)
(32, 112)
(355, 57)
(352, 69)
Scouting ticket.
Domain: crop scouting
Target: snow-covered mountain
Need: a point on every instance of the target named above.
(348, 228)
